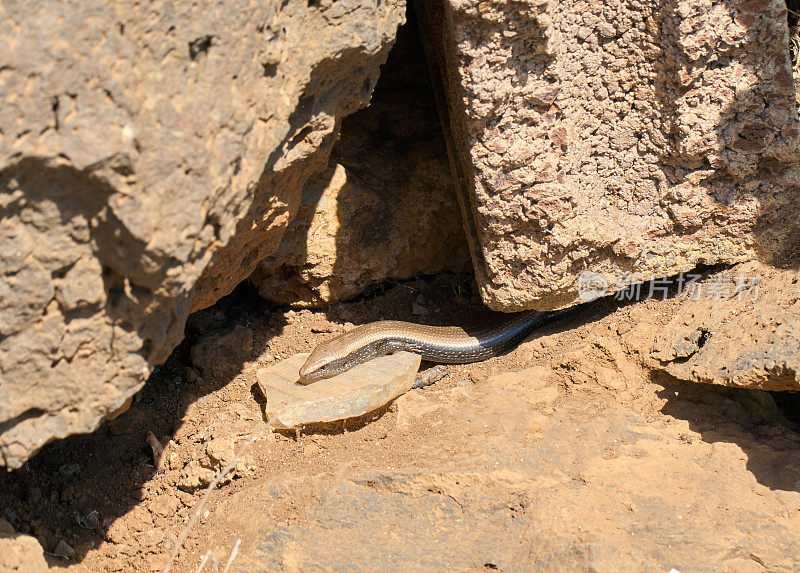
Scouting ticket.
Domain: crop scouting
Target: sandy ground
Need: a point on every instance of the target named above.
(569, 453)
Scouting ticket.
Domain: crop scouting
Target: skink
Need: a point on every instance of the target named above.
(448, 344)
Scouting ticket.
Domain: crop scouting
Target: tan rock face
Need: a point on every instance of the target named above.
(629, 140)
(737, 328)
(149, 158)
(384, 208)
(20, 552)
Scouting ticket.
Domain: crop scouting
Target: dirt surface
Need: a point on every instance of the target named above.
(568, 453)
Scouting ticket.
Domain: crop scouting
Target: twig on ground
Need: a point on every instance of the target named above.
(203, 561)
(219, 477)
(234, 554)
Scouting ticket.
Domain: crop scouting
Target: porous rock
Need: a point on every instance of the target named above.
(615, 142)
(150, 156)
(738, 328)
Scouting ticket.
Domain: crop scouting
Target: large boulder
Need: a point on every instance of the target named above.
(385, 208)
(150, 156)
(614, 142)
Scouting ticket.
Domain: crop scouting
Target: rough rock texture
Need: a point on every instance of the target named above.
(20, 552)
(626, 139)
(150, 156)
(738, 328)
(385, 207)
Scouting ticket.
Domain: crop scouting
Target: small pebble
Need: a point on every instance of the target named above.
(63, 549)
(430, 376)
(192, 376)
(91, 521)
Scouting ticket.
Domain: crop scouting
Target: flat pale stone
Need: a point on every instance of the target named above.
(353, 393)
